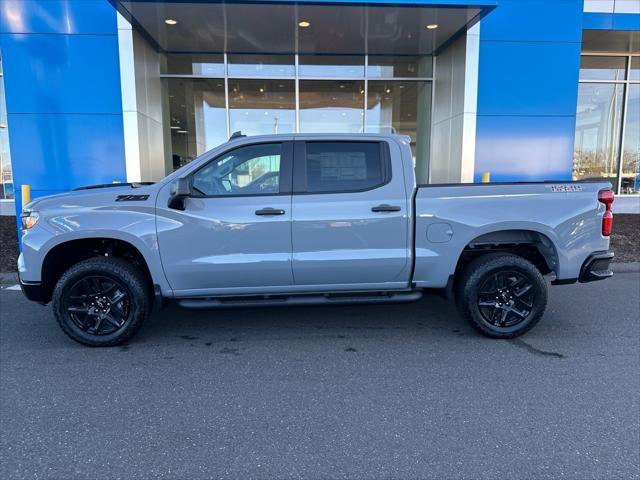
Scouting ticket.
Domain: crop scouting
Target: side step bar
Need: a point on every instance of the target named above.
(283, 300)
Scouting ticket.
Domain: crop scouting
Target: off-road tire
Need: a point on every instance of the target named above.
(482, 270)
(139, 303)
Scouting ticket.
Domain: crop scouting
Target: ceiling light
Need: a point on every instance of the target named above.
(175, 127)
(304, 24)
(432, 26)
(388, 90)
(170, 21)
(261, 90)
(183, 131)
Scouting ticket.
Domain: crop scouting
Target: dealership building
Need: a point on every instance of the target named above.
(101, 91)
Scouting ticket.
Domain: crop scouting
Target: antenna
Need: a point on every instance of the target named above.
(237, 134)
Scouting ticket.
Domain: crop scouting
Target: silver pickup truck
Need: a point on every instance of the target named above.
(309, 219)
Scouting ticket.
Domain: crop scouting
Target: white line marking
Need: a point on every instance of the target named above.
(13, 287)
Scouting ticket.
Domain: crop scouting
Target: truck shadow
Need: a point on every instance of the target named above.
(432, 315)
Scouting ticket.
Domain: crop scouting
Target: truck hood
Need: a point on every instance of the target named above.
(90, 196)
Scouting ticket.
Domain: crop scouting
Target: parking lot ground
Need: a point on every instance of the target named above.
(397, 391)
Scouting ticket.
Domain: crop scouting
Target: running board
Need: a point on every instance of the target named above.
(316, 299)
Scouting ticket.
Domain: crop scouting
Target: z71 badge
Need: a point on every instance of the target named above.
(566, 188)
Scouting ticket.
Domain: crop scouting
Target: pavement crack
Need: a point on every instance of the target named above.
(518, 342)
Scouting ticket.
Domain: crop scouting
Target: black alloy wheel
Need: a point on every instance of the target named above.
(98, 305)
(506, 299)
(501, 295)
(102, 301)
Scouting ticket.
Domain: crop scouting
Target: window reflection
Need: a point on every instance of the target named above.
(598, 131)
(331, 66)
(6, 176)
(631, 149)
(602, 68)
(258, 107)
(210, 65)
(262, 65)
(403, 108)
(260, 98)
(383, 66)
(634, 74)
(197, 117)
(331, 106)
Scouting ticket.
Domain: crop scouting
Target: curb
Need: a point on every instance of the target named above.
(627, 267)
(8, 278)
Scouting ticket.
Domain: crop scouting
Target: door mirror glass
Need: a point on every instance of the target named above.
(180, 190)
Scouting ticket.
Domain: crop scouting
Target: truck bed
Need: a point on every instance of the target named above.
(563, 218)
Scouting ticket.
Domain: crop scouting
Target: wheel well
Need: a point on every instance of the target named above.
(533, 246)
(61, 257)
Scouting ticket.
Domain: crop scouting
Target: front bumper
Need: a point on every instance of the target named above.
(596, 267)
(33, 291)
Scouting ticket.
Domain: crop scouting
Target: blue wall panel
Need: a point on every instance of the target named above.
(524, 148)
(68, 150)
(62, 84)
(533, 20)
(610, 21)
(528, 78)
(62, 73)
(527, 90)
(57, 16)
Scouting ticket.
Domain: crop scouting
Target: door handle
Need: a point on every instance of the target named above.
(386, 208)
(270, 211)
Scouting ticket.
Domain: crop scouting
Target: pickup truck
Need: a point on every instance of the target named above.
(309, 219)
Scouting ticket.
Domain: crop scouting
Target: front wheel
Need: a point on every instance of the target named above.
(102, 301)
(501, 295)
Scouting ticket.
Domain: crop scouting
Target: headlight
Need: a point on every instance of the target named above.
(29, 219)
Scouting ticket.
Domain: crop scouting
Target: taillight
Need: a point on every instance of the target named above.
(606, 197)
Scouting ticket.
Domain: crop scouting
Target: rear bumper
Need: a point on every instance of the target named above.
(596, 267)
(33, 291)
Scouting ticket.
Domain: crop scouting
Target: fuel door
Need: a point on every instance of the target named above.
(439, 232)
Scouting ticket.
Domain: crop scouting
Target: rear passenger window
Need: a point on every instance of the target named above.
(344, 166)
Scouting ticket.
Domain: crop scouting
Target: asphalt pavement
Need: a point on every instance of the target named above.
(397, 391)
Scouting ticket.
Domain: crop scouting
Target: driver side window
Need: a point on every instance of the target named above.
(250, 170)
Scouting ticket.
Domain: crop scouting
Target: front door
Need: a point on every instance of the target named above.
(234, 234)
(350, 216)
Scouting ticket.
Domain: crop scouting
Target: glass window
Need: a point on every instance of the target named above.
(634, 74)
(197, 117)
(259, 107)
(331, 106)
(601, 6)
(250, 170)
(6, 176)
(602, 68)
(598, 125)
(381, 66)
(261, 65)
(343, 166)
(401, 107)
(631, 147)
(331, 66)
(627, 6)
(194, 64)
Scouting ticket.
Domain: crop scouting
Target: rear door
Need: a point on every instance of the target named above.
(350, 225)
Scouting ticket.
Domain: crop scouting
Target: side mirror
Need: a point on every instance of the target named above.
(180, 190)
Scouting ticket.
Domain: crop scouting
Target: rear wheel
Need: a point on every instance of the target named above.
(101, 301)
(501, 295)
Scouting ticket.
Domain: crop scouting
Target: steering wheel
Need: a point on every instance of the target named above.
(258, 185)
